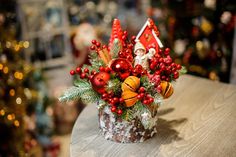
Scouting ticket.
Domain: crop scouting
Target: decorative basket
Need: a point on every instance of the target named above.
(128, 80)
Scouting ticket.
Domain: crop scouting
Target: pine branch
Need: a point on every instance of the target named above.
(95, 61)
(128, 115)
(136, 111)
(116, 48)
(114, 85)
(158, 99)
(82, 90)
(150, 88)
(70, 94)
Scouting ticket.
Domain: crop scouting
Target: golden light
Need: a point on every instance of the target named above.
(213, 76)
(17, 47)
(1, 66)
(12, 92)
(26, 44)
(18, 75)
(9, 117)
(18, 100)
(2, 112)
(5, 70)
(8, 44)
(21, 43)
(199, 45)
(16, 123)
(13, 116)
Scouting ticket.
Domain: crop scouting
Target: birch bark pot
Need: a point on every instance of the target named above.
(116, 129)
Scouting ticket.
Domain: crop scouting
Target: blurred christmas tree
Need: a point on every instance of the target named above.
(200, 32)
(25, 126)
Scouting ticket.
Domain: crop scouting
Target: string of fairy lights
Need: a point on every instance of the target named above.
(11, 115)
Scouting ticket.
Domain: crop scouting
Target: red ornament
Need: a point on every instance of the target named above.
(99, 81)
(122, 66)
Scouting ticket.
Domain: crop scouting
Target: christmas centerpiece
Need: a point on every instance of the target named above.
(127, 80)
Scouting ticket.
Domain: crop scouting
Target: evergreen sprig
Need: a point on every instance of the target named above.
(114, 85)
(116, 48)
(149, 86)
(70, 94)
(82, 90)
(136, 111)
(157, 99)
(95, 61)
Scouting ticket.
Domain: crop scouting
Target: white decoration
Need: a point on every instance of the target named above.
(225, 17)
(211, 4)
(180, 46)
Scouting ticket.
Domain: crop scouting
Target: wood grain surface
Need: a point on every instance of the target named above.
(199, 120)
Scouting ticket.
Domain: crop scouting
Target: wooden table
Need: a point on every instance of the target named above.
(199, 120)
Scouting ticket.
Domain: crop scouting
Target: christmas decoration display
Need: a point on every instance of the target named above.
(127, 80)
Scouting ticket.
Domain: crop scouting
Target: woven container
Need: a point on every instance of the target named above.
(116, 129)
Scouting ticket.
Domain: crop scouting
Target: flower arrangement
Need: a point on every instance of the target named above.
(127, 79)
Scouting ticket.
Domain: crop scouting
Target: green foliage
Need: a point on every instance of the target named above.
(134, 111)
(128, 114)
(157, 99)
(116, 47)
(114, 85)
(145, 82)
(183, 70)
(95, 61)
(82, 90)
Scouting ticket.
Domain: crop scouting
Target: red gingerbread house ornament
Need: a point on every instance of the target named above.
(149, 35)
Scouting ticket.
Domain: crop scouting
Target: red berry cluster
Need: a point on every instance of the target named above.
(96, 45)
(114, 101)
(84, 74)
(162, 65)
(144, 97)
(127, 47)
(105, 69)
(139, 71)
